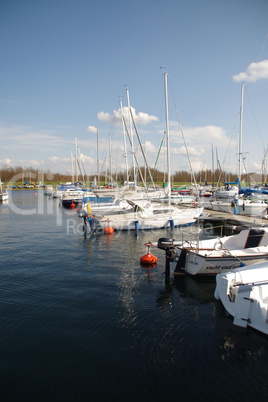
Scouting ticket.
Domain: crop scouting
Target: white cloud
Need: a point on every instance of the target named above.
(211, 135)
(92, 129)
(53, 158)
(140, 118)
(6, 161)
(255, 72)
(149, 147)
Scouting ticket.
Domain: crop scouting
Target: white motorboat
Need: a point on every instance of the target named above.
(49, 190)
(73, 197)
(62, 188)
(212, 256)
(244, 294)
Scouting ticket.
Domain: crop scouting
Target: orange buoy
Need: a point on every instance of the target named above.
(108, 230)
(148, 259)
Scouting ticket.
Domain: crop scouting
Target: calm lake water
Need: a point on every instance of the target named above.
(81, 320)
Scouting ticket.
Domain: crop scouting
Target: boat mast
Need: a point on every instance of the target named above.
(124, 137)
(72, 164)
(132, 145)
(110, 155)
(76, 173)
(98, 162)
(240, 134)
(167, 136)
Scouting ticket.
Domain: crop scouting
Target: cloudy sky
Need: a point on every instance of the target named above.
(66, 65)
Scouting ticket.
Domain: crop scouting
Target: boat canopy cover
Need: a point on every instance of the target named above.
(139, 203)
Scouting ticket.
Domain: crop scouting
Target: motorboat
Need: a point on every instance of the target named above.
(209, 257)
(62, 188)
(49, 190)
(244, 294)
(73, 197)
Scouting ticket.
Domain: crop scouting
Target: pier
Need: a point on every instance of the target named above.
(224, 217)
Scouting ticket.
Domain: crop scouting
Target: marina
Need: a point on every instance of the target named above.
(82, 319)
(134, 201)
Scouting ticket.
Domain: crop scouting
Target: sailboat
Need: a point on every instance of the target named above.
(149, 215)
(240, 205)
(3, 193)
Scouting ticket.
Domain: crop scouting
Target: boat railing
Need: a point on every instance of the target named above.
(250, 284)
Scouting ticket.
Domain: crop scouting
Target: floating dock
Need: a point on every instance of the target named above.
(224, 217)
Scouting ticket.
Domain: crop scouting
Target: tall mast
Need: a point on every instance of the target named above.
(98, 162)
(110, 154)
(240, 134)
(124, 137)
(76, 173)
(72, 167)
(132, 145)
(167, 135)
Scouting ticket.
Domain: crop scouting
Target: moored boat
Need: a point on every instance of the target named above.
(212, 256)
(3, 193)
(244, 294)
(147, 215)
(112, 206)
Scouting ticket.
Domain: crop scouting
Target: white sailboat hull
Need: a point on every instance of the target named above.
(141, 220)
(245, 207)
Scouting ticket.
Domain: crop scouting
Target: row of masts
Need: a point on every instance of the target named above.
(127, 128)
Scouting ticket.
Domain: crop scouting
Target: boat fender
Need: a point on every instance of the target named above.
(218, 246)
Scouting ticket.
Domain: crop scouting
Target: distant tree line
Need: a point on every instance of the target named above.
(18, 174)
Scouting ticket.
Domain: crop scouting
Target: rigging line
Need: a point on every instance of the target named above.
(135, 156)
(264, 43)
(157, 159)
(188, 155)
(85, 173)
(141, 147)
(252, 111)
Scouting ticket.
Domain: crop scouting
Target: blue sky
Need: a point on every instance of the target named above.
(66, 64)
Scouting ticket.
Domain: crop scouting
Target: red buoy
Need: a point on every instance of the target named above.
(148, 259)
(108, 230)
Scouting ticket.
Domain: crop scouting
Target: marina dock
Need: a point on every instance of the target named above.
(224, 217)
